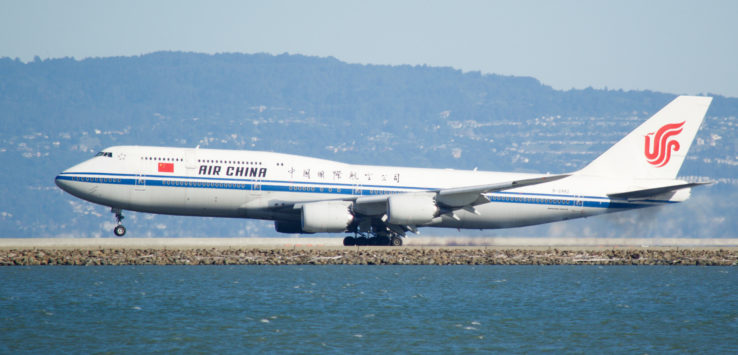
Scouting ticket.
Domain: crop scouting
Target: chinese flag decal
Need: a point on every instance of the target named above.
(166, 167)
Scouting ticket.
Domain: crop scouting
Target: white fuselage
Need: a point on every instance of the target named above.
(255, 184)
(308, 195)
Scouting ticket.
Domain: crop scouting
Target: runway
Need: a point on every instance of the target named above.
(412, 241)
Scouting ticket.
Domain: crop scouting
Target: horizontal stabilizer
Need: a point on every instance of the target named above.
(645, 193)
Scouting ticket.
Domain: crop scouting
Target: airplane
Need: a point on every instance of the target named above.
(380, 204)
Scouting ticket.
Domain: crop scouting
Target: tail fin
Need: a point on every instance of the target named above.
(656, 149)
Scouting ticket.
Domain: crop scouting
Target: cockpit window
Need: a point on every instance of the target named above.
(104, 154)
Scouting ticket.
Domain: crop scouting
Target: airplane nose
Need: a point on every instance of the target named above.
(62, 182)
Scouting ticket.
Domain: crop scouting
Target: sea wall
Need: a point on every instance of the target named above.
(370, 256)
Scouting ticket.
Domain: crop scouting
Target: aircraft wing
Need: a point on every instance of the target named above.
(457, 197)
(447, 200)
(463, 196)
(646, 193)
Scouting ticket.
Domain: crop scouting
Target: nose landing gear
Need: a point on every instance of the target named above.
(119, 230)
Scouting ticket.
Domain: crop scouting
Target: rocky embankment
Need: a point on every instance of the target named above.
(369, 256)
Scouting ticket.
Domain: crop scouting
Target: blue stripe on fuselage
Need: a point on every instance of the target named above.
(339, 189)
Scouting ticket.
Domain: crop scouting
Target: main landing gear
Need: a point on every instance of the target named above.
(393, 240)
(119, 230)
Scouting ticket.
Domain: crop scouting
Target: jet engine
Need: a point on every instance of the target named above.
(288, 227)
(326, 216)
(410, 209)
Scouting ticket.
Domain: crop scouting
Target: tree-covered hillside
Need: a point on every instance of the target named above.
(55, 113)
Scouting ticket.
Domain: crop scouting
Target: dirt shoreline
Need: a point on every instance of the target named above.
(371, 256)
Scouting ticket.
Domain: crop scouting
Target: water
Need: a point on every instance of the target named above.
(365, 309)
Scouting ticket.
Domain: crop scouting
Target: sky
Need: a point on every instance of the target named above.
(675, 46)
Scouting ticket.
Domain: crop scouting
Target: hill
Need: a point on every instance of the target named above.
(58, 112)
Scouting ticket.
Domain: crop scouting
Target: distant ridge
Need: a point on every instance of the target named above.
(178, 83)
(56, 112)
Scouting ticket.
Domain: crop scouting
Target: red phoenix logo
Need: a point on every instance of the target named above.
(663, 144)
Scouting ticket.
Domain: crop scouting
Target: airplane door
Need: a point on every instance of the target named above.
(254, 188)
(578, 206)
(139, 196)
(191, 161)
(140, 183)
(356, 190)
(256, 185)
(356, 183)
(198, 198)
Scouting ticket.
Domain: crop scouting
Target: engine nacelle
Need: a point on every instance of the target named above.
(411, 209)
(326, 216)
(289, 227)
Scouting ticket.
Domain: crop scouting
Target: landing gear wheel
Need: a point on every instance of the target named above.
(396, 241)
(349, 241)
(361, 241)
(119, 230)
